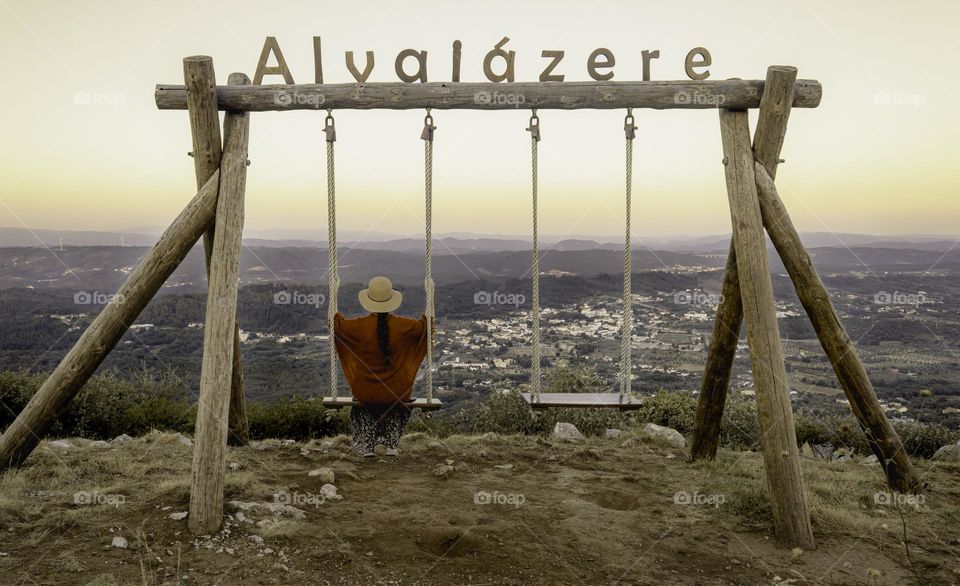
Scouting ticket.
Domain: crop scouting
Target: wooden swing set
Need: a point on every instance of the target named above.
(216, 213)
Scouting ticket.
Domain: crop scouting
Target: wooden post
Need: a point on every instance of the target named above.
(108, 327)
(781, 456)
(775, 106)
(881, 437)
(883, 440)
(209, 455)
(716, 374)
(201, 96)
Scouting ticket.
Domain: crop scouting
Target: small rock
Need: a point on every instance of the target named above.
(304, 452)
(666, 435)
(118, 541)
(288, 442)
(61, 445)
(489, 437)
(234, 466)
(329, 493)
(504, 466)
(325, 475)
(613, 433)
(256, 539)
(948, 453)
(870, 460)
(567, 431)
(100, 444)
(184, 440)
(241, 517)
(443, 470)
(179, 516)
(122, 438)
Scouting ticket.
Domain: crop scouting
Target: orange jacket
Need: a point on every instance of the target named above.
(370, 379)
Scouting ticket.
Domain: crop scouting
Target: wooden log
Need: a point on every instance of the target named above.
(686, 94)
(22, 436)
(882, 438)
(778, 95)
(200, 83)
(239, 426)
(716, 374)
(781, 456)
(210, 440)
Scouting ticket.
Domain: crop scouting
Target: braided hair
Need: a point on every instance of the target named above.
(383, 336)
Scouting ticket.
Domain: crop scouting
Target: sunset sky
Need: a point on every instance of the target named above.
(855, 164)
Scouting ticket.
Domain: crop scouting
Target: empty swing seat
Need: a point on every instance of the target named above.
(349, 401)
(582, 400)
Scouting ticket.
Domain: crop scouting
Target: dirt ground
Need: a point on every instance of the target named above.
(462, 510)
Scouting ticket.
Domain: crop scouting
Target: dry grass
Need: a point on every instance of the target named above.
(38, 512)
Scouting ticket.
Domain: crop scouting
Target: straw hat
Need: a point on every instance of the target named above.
(380, 296)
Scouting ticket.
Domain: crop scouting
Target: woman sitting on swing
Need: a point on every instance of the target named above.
(380, 354)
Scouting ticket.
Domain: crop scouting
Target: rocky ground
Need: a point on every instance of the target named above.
(625, 509)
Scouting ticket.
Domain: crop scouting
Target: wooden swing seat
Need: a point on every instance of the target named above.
(582, 400)
(349, 401)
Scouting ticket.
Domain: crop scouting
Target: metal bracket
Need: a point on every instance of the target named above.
(534, 128)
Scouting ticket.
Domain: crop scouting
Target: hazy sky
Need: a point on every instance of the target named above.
(853, 164)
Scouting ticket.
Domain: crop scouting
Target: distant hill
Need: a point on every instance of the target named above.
(458, 243)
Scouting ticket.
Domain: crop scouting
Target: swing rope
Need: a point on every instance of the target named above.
(333, 278)
(626, 334)
(428, 285)
(535, 357)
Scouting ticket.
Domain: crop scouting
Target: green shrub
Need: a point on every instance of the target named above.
(739, 427)
(108, 405)
(923, 439)
(296, 418)
(671, 409)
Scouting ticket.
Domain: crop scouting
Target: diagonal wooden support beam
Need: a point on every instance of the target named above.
(781, 457)
(209, 454)
(201, 99)
(63, 384)
(883, 440)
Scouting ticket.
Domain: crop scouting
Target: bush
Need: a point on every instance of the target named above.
(923, 439)
(296, 418)
(108, 405)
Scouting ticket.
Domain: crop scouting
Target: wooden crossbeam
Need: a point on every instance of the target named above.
(661, 95)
